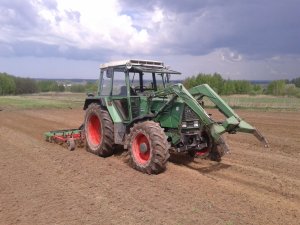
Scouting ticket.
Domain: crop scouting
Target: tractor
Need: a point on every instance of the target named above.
(139, 108)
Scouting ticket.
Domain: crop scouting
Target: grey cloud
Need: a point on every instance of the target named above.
(73, 15)
(257, 28)
(20, 20)
(265, 29)
(6, 50)
(28, 48)
(170, 5)
(19, 14)
(50, 4)
(40, 50)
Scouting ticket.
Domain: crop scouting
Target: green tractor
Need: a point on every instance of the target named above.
(137, 107)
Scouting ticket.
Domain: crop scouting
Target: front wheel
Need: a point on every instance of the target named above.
(99, 133)
(148, 148)
(214, 151)
(219, 149)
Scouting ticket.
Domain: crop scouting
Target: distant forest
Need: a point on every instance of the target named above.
(230, 87)
(12, 85)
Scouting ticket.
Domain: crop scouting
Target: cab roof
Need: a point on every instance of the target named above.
(135, 65)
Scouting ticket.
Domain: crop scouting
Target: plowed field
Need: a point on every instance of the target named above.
(44, 183)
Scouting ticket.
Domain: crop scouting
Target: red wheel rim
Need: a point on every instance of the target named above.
(202, 152)
(94, 130)
(141, 148)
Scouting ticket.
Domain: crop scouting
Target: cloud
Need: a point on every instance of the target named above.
(55, 26)
(13, 15)
(254, 28)
(226, 33)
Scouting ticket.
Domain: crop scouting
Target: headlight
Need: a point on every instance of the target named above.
(196, 123)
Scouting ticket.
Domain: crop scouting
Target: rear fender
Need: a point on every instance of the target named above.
(91, 100)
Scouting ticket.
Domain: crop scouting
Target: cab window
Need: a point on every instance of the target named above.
(119, 84)
(105, 83)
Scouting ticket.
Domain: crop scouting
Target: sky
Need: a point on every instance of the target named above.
(240, 39)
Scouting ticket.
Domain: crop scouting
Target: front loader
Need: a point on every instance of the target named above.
(137, 107)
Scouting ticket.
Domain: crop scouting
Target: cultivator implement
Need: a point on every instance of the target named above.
(69, 138)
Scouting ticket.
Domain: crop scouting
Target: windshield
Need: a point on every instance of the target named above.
(143, 82)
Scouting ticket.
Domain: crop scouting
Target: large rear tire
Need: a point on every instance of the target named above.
(148, 148)
(99, 131)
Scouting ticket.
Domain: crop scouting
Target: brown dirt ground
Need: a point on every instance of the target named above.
(43, 183)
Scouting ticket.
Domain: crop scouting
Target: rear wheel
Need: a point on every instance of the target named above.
(148, 148)
(98, 129)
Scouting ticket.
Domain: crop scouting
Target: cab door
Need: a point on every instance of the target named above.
(120, 95)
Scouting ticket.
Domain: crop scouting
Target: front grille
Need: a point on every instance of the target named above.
(189, 114)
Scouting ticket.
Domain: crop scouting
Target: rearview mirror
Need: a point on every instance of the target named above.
(109, 73)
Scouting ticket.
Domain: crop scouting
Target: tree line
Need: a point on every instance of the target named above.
(11, 85)
(230, 87)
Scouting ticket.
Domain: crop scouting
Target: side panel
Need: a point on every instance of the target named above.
(171, 116)
(144, 105)
(157, 103)
(113, 111)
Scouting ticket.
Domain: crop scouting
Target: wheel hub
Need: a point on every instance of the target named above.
(143, 148)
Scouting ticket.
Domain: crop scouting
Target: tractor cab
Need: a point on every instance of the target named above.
(139, 77)
(128, 84)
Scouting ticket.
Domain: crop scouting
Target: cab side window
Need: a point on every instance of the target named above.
(119, 85)
(105, 83)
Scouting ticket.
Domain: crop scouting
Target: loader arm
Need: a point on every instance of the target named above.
(180, 91)
(233, 122)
